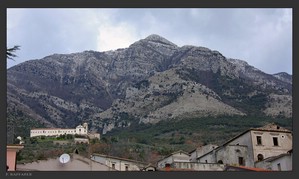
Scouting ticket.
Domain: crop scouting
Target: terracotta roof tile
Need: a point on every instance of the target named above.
(243, 168)
(272, 126)
(254, 169)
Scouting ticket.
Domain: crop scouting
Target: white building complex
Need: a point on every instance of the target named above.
(80, 130)
(267, 148)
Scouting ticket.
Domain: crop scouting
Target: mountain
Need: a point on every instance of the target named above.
(150, 81)
(283, 76)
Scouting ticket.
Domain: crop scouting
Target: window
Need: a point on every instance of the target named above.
(220, 162)
(241, 161)
(279, 167)
(275, 141)
(260, 157)
(127, 167)
(206, 161)
(113, 165)
(259, 140)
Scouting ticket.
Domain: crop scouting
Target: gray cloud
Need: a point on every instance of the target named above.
(262, 37)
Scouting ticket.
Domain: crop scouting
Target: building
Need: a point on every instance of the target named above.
(282, 162)
(236, 155)
(119, 164)
(76, 163)
(93, 135)
(251, 146)
(182, 161)
(11, 156)
(200, 151)
(257, 149)
(179, 156)
(80, 130)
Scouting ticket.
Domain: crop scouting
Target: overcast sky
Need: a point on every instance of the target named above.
(262, 37)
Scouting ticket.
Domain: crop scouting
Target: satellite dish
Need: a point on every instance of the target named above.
(64, 158)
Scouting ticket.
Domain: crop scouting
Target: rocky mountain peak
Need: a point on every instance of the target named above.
(158, 39)
(282, 74)
(150, 81)
(284, 77)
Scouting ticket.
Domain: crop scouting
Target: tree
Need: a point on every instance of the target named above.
(10, 52)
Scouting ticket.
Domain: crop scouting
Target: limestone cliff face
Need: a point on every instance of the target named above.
(151, 80)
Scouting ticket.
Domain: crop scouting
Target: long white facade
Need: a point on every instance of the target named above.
(80, 130)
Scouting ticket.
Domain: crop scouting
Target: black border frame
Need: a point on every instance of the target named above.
(4, 4)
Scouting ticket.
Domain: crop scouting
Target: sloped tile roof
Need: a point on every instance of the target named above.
(243, 168)
(271, 159)
(180, 151)
(272, 127)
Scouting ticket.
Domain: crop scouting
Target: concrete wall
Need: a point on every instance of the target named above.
(267, 149)
(209, 158)
(62, 142)
(246, 140)
(285, 163)
(81, 140)
(77, 163)
(199, 166)
(228, 154)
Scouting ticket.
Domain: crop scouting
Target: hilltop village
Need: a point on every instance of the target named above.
(267, 148)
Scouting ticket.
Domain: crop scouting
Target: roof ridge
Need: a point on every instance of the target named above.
(271, 126)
